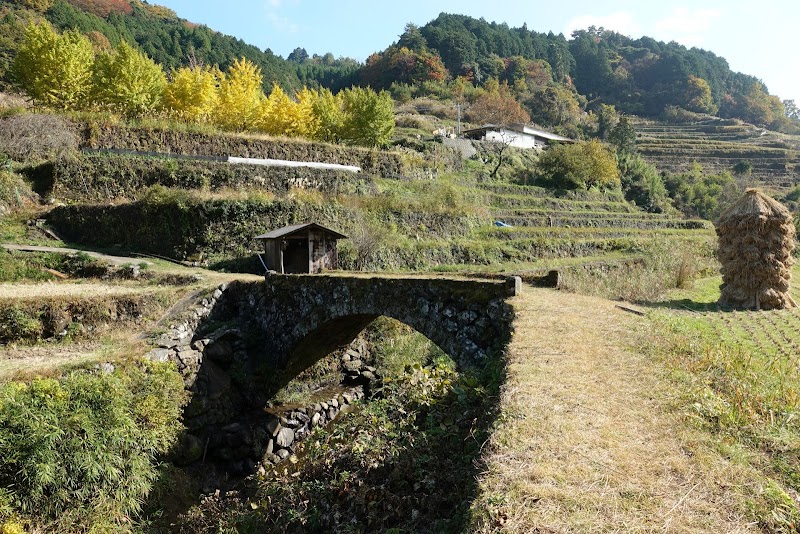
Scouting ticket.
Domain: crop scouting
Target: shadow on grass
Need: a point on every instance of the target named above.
(684, 305)
(389, 464)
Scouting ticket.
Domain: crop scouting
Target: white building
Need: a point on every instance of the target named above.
(517, 135)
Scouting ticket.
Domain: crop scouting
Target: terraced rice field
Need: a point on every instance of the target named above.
(718, 145)
(578, 225)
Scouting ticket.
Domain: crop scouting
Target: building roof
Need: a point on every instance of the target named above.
(521, 128)
(287, 231)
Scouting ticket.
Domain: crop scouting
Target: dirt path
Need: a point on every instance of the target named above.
(115, 260)
(590, 440)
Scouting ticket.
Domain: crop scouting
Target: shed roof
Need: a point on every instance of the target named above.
(287, 231)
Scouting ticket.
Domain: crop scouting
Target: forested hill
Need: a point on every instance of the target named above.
(555, 78)
(639, 76)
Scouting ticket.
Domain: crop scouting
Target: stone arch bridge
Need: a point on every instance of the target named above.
(304, 318)
(240, 345)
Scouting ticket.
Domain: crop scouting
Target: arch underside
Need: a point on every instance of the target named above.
(340, 332)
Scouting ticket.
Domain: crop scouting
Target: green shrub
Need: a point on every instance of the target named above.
(579, 166)
(794, 194)
(16, 325)
(744, 167)
(698, 194)
(642, 184)
(81, 452)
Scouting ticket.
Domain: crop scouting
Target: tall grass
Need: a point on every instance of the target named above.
(665, 264)
(80, 453)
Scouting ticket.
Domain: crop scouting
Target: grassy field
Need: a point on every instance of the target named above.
(680, 420)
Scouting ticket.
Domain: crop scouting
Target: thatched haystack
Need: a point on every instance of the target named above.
(756, 239)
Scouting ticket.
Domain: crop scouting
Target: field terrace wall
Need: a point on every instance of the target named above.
(718, 145)
(107, 177)
(183, 228)
(371, 161)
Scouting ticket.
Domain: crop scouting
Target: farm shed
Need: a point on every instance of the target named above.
(301, 249)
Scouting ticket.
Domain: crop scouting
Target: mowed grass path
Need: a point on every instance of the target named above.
(592, 437)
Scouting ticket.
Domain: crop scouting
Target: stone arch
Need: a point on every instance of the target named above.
(306, 317)
(338, 332)
(290, 322)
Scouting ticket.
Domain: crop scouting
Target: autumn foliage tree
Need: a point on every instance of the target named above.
(698, 96)
(54, 70)
(67, 71)
(498, 106)
(240, 97)
(127, 81)
(192, 94)
(368, 117)
(327, 109)
(579, 166)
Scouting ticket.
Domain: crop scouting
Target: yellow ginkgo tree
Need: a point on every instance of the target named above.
(280, 115)
(54, 70)
(193, 93)
(239, 107)
(128, 81)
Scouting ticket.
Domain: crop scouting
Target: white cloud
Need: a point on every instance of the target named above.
(277, 20)
(685, 25)
(282, 23)
(622, 22)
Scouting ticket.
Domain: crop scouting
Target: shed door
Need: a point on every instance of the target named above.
(295, 257)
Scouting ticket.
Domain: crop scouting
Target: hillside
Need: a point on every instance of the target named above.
(163, 36)
(718, 145)
(638, 77)
(189, 209)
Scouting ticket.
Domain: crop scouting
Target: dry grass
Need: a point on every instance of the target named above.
(67, 289)
(20, 362)
(590, 439)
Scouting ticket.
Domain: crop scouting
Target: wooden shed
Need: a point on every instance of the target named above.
(301, 249)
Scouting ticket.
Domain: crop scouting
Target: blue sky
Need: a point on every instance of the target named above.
(756, 37)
